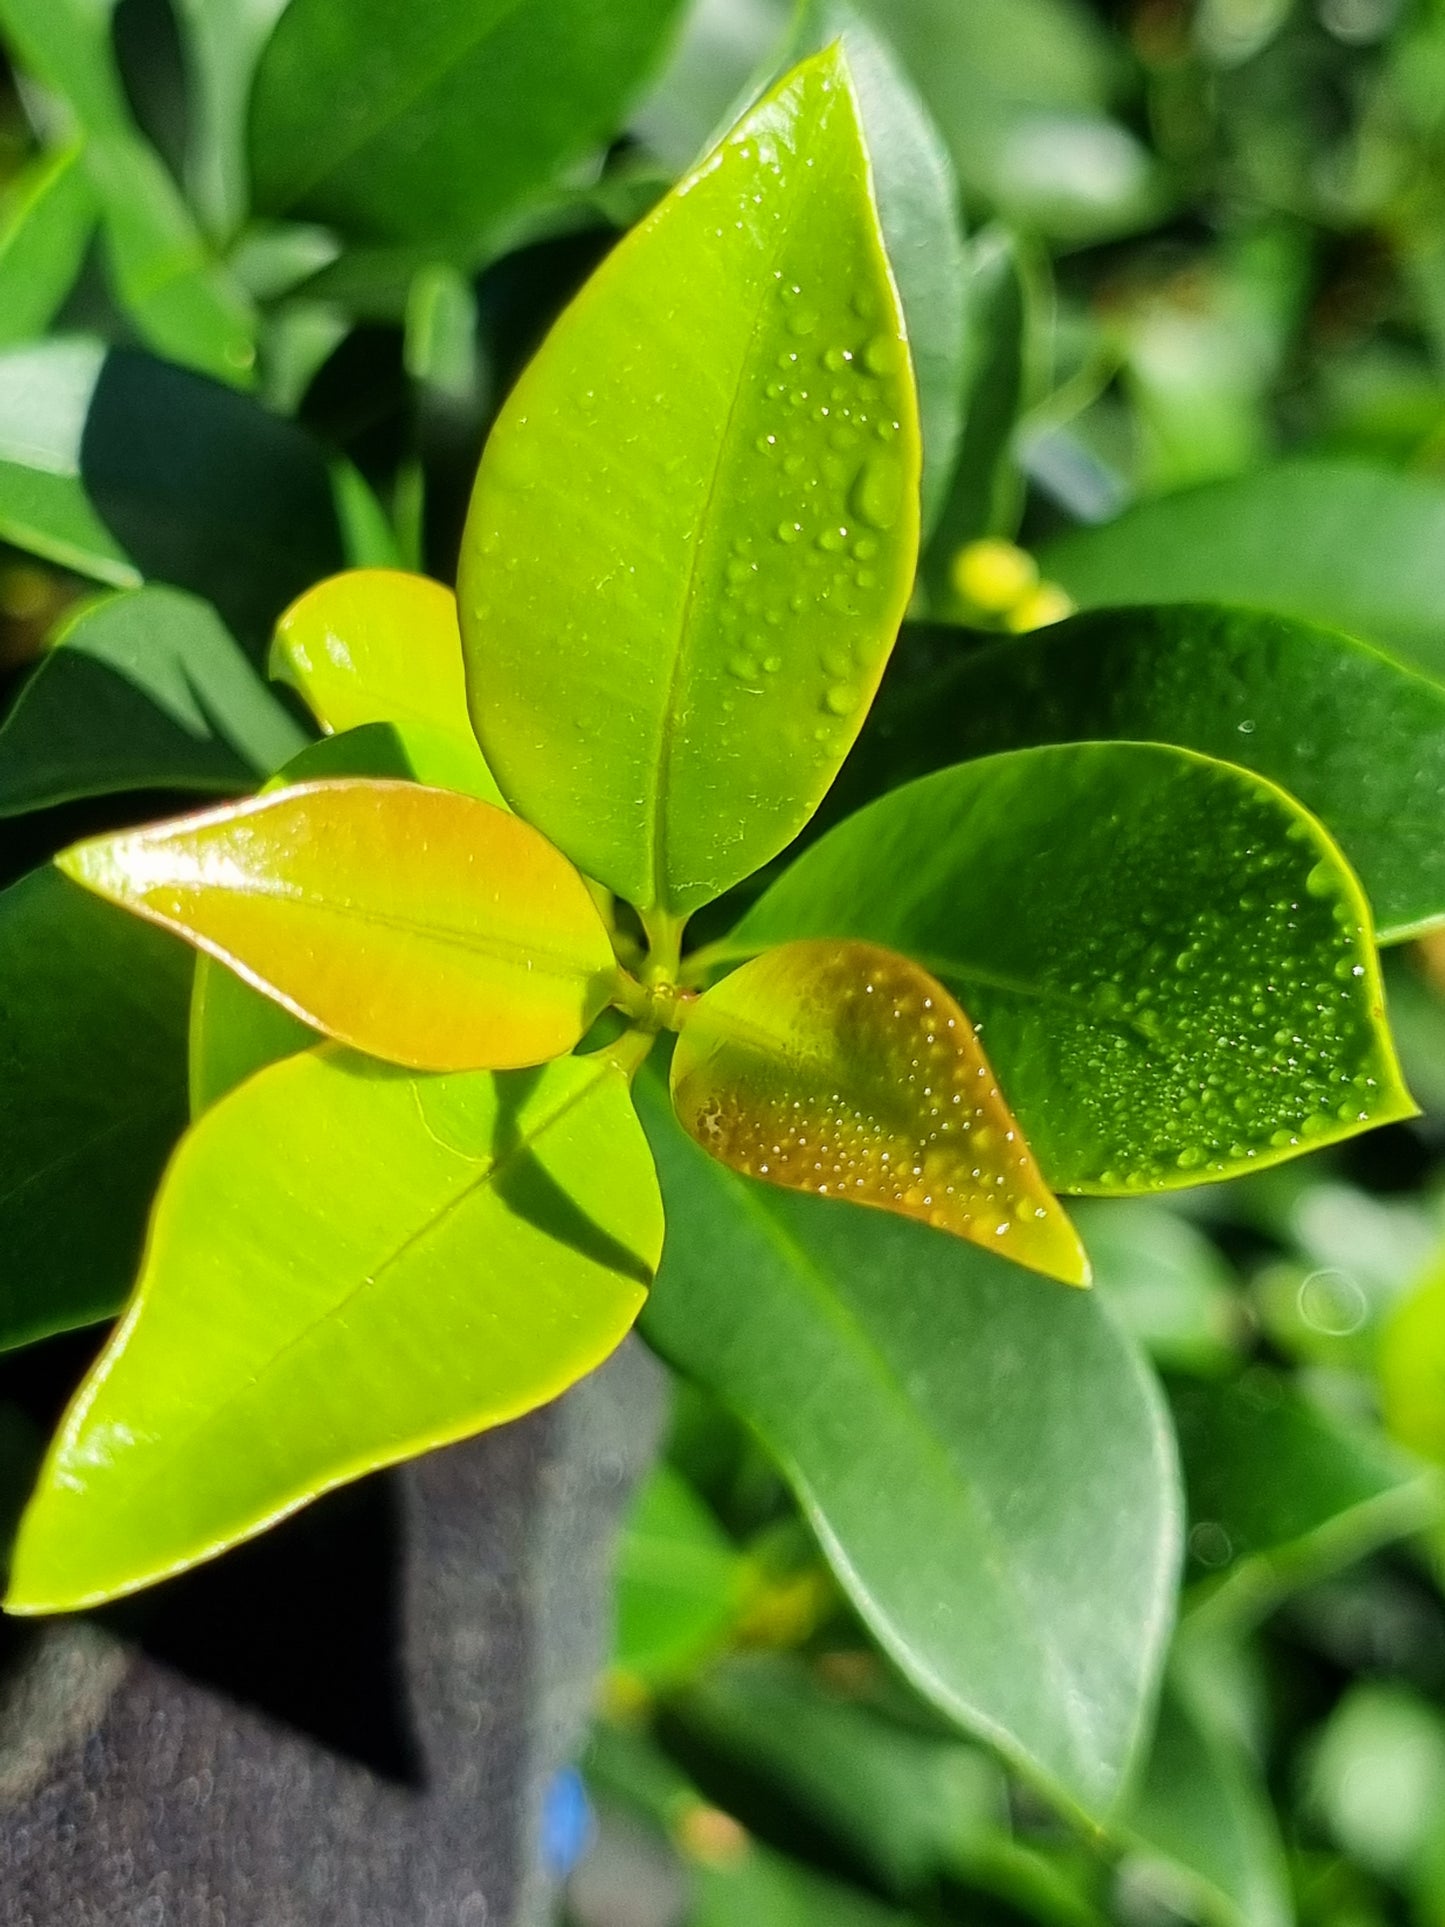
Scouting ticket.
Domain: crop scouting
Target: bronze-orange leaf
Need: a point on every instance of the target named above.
(846, 1070)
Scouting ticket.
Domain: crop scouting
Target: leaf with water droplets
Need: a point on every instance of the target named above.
(845, 1070)
(1171, 963)
(381, 646)
(422, 926)
(696, 522)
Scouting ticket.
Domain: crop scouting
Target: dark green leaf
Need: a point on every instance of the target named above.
(93, 1069)
(143, 690)
(1279, 1491)
(1360, 741)
(47, 216)
(438, 120)
(927, 1402)
(124, 468)
(1356, 548)
(985, 484)
(1170, 962)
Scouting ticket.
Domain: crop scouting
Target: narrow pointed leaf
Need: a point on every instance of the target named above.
(1171, 962)
(92, 1069)
(376, 646)
(847, 1071)
(47, 216)
(416, 924)
(984, 1457)
(346, 1266)
(1358, 738)
(146, 689)
(683, 570)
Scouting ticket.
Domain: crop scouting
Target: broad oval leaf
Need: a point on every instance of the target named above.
(1355, 547)
(92, 1065)
(1356, 737)
(1170, 961)
(417, 924)
(847, 1071)
(146, 689)
(440, 119)
(685, 565)
(375, 646)
(984, 1457)
(346, 1266)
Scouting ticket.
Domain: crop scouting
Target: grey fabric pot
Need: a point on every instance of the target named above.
(351, 1723)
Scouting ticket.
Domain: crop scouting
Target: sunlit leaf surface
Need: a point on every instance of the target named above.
(346, 1265)
(1171, 962)
(845, 1070)
(417, 924)
(696, 521)
(379, 646)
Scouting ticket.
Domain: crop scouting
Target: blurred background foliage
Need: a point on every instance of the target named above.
(1198, 349)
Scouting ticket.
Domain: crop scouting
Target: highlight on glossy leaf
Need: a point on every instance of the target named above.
(845, 1070)
(415, 924)
(346, 1266)
(374, 646)
(695, 526)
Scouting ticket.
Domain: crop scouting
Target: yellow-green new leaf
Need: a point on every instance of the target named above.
(845, 1070)
(346, 1266)
(380, 646)
(416, 924)
(696, 522)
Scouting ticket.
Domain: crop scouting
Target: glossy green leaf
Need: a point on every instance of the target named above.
(846, 1071)
(93, 1069)
(235, 1030)
(1204, 1809)
(679, 1581)
(123, 467)
(417, 924)
(440, 120)
(1354, 547)
(143, 690)
(1164, 1281)
(182, 300)
(346, 1266)
(1170, 962)
(922, 226)
(376, 646)
(683, 570)
(927, 1403)
(1359, 740)
(47, 216)
(1280, 1492)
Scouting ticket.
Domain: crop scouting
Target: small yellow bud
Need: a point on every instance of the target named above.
(1043, 605)
(711, 1836)
(993, 575)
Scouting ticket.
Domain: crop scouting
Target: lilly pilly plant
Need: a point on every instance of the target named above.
(1092, 967)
